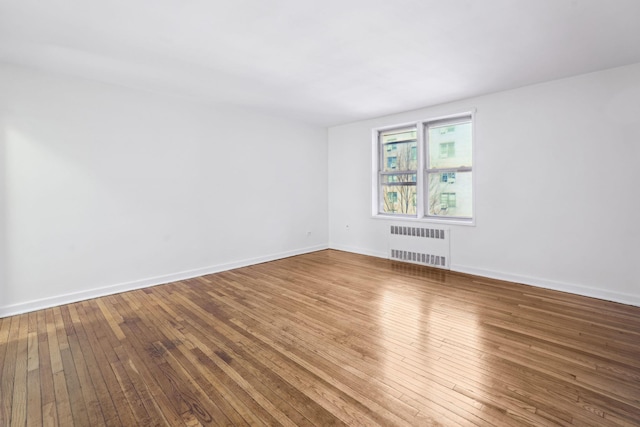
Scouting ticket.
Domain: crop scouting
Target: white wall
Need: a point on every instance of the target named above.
(105, 189)
(3, 223)
(558, 185)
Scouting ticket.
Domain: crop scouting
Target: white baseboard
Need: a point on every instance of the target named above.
(40, 304)
(184, 275)
(620, 297)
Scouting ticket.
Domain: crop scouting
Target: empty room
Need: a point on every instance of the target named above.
(315, 213)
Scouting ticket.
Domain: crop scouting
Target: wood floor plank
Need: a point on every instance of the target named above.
(62, 399)
(326, 338)
(11, 334)
(34, 398)
(70, 368)
(47, 389)
(100, 406)
(90, 401)
(19, 403)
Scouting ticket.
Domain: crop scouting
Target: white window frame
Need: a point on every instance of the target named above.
(422, 152)
(379, 166)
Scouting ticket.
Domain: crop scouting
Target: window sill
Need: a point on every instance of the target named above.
(465, 222)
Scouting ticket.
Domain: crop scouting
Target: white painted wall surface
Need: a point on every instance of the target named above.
(105, 189)
(3, 209)
(557, 170)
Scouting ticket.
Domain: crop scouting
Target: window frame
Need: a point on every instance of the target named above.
(380, 167)
(422, 148)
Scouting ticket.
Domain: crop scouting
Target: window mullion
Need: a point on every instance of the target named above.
(420, 192)
(380, 171)
(443, 170)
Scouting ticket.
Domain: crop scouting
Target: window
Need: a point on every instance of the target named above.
(398, 171)
(391, 162)
(449, 177)
(448, 171)
(424, 170)
(447, 149)
(447, 200)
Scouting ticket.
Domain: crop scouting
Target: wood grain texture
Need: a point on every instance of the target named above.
(328, 338)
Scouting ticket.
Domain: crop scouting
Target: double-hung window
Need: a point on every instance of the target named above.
(398, 171)
(425, 170)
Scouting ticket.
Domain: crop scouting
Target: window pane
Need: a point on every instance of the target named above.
(399, 199)
(449, 145)
(452, 197)
(401, 156)
(399, 149)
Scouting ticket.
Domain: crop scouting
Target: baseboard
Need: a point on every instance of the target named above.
(619, 297)
(184, 275)
(43, 303)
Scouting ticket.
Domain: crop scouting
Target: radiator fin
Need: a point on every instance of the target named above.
(429, 233)
(420, 245)
(422, 258)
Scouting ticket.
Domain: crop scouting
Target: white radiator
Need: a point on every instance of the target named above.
(420, 245)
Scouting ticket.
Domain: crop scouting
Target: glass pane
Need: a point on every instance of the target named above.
(450, 197)
(400, 199)
(449, 145)
(399, 150)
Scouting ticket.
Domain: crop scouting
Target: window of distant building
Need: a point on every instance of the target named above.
(447, 200)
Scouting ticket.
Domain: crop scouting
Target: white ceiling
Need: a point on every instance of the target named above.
(324, 62)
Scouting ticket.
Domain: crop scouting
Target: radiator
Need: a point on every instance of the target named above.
(420, 245)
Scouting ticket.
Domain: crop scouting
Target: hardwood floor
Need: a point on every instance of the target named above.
(328, 338)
